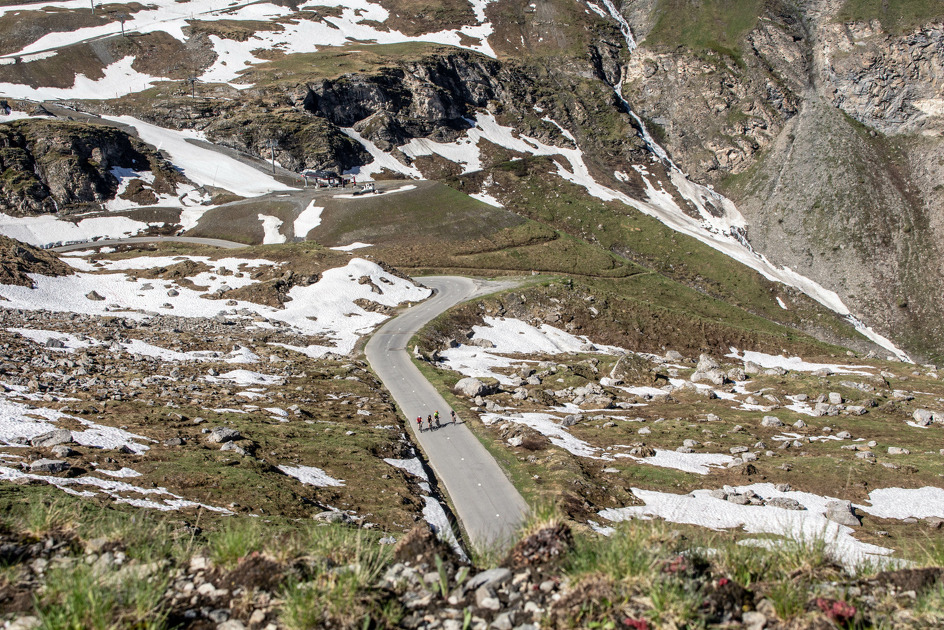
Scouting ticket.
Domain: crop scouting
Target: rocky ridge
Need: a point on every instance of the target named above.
(56, 165)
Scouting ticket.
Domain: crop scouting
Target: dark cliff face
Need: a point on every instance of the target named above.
(427, 98)
(53, 166)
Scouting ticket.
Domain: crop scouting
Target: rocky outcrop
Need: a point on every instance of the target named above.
(893, 84)
(17, 260)
(52, 165)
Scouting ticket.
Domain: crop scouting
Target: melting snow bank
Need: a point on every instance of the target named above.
(795, 364)
(48, 231)
(804, 526)
(114, 489)
(309, 475)
(697, 463)
(327, 309)
(202, 166)
(550, 427)
(117, 79)
(307, 220)
(900, 503)
(65, 342)
(433, 511)
(351, 247)
(270, 230)
(19, 423)
(513, 336)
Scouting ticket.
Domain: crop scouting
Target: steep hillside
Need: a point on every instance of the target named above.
(400, 104)
(821, 120)
(48, 165)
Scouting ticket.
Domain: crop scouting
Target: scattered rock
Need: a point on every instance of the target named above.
(52, 438)
(223, 434)
(52, 466)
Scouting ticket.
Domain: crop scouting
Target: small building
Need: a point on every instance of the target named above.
(319, 178)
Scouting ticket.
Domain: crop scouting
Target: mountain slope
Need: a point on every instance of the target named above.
(300, 85)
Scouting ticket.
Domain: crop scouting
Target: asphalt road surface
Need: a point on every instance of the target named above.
(489, 507)
(112, 242)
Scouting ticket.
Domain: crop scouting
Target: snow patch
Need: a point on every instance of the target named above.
(311, 476)
(309, 219)
(805, 526)
(270, 229)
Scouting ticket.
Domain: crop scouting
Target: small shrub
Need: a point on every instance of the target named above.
(788, 598)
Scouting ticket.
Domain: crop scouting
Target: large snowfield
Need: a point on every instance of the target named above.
(805, 526)
(360, 21)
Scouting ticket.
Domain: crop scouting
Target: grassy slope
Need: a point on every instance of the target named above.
(305, 574)
(685, 275)
(898, 16)
(716, 25)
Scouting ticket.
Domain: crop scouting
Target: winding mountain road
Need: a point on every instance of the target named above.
(487, 504)
(140, 240)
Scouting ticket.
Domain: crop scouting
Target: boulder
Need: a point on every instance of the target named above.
(61, 450)
(571, 420)
(492, 578)
(825, 409)
(223, 434)
(925, 417)
(705, 363)
(714, 376)
(52, 438)
(597, 401)
(52, 466)
(786, 503)
(471, 387)
(771, 421)
(752, 368)
(235, 448)
(331, 516)
(94, 296)
(842, 512)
